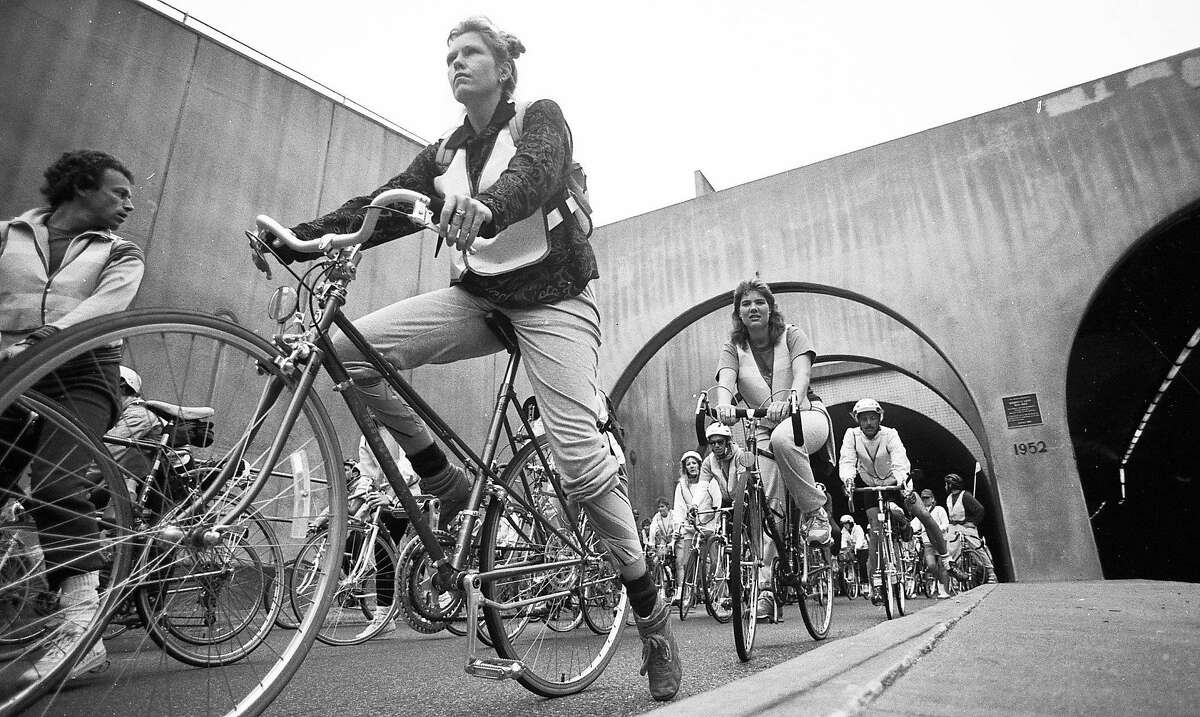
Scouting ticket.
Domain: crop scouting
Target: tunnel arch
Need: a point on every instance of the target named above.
(1138, 318)
(703, 308)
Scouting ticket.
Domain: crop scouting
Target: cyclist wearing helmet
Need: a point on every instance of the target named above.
(854, 545)
(872, 455)
(718, 470)
(136, 423)
(763, 360)
(966, 513)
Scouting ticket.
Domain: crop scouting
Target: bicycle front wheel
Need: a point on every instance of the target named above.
(365, 597)
(746, 550)
(687, 591)
(269, 448)
(552, 572)
(893, 579)
(44, 639)
(816, 593)
(716, 592)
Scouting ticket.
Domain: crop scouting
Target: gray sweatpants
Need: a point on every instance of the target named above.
(559, 345)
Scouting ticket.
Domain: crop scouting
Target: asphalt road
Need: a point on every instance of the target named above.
(411, 674)
(422, 675)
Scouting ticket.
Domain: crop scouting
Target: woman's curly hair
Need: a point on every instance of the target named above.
(740, 336)
(505, 46)
(79, 169)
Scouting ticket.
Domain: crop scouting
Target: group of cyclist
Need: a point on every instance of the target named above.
(504, 172)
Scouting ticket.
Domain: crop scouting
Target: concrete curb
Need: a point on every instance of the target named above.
(839, 678)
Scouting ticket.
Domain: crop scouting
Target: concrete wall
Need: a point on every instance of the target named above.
(990, 235)
(214, 138)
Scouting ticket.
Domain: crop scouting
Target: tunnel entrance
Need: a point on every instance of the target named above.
(933, 452)
(1138, 323)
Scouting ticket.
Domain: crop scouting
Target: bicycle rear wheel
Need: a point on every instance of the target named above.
(36, 626)
(746, 549)
(191, 359)
(553, 663)
(213, 605)
(816, 594)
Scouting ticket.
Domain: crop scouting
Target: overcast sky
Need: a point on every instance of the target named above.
(738, 89)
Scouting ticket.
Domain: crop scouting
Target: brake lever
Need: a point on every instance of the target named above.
(256, 254)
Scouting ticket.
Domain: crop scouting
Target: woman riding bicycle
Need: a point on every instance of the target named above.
(690, 494)
(537, 273)
(763, 359)
(965, 513)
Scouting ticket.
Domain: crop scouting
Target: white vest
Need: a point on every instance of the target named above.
(29, 296)
(521, 244)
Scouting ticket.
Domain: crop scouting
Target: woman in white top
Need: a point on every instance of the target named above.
(686, 490)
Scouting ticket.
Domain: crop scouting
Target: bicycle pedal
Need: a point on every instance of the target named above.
(495, 668)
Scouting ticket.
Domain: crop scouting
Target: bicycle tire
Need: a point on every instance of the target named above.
(553, 664)
(36, 616)
(816, 594)
(850, 580)
(687, 591)
(237, 586)
(746, 547)
(716, 581)
(342, 624)
(189, 358)
(893, 579)
(603, 590)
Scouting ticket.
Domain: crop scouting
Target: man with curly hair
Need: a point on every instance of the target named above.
(61, 264)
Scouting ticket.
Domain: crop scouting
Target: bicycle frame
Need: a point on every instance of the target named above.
(888, 561)
(309, 352)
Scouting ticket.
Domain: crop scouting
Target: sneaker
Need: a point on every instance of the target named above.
(453, 487)
(57, 646)
(766, 606)
(381, 616)
(660, 655)
(876, 595)
(816, 526)
(991, 577)
(955, 573)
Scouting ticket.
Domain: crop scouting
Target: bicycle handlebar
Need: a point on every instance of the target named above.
(423, 212)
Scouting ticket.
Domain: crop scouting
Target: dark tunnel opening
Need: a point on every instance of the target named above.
(933, 452)
(1139, 321)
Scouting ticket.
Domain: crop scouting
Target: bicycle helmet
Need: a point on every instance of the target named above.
(846, 519)
(954, 481)
(717, 430)
(130, 378)
(866, 405)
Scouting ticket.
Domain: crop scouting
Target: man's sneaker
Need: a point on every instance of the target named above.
(816, 526)
(660, 656)
(991, 576)
(381, 617)
(56, 648)
(941, 593)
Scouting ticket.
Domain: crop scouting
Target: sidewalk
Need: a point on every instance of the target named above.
(1081, 648)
